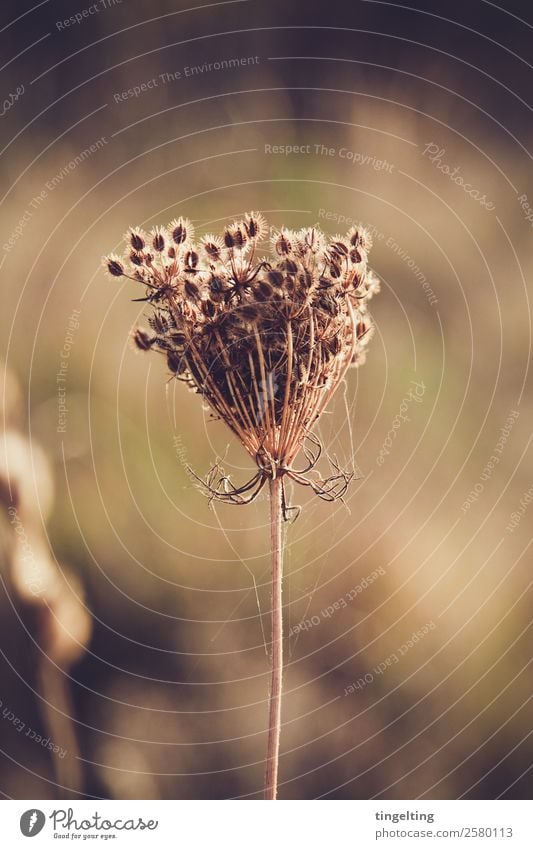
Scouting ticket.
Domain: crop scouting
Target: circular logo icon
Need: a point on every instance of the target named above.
(32, 822)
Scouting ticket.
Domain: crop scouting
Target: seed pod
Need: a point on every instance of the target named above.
(208, 308)
(159, 323)
(212, 250)
(158, 241)
(217, 297)
(229, 241)
(339, 248)
(249, 312)
(355, 256)
(290, 266)
(283, 245)
(162, 343)
(305, 279)
(114, 267)
(263, 291)
(275, 277)
(136, 240)
(356, 278)
(135, 258)
(365, 239)
(253, 226)
(142, 339)
(191, 260)
(192, 292)
(362, 329)
(335, 270)
(240, 237)
(299, 248)
(328, 304)
(179, 231)
(178, 338)
(360, 238)
(312, 238)
(176, 362)
(289, 286)
(217, 285)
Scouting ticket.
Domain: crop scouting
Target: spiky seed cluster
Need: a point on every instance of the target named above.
(265, 340)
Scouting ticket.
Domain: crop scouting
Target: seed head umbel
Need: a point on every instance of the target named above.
(265, 339)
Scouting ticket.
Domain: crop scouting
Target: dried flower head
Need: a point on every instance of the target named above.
(266, 341)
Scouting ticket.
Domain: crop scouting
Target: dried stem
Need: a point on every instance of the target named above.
(274, 707)
(266, 342)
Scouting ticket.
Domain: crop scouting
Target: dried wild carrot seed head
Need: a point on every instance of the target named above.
(265, 340)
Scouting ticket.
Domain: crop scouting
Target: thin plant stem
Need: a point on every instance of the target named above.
(274, 707)
(236, 329)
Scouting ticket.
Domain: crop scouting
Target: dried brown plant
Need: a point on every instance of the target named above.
(266, 340)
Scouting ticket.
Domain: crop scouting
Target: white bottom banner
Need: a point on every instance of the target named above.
(282, 825)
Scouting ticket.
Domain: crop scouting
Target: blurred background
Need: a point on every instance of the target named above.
(133, 617)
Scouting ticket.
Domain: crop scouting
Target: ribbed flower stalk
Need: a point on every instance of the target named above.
(266, 340)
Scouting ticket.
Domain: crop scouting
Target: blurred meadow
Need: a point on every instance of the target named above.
(133, 617)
